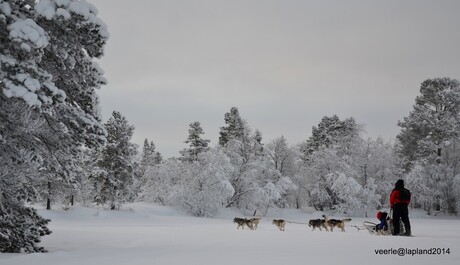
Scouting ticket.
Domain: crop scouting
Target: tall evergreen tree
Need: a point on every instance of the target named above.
(258, 145)
(331, 132)
(428, 144)
(235, 129)
(48, 104)
(116, 162)
(433, 123)
(197, 145)
(150, 156)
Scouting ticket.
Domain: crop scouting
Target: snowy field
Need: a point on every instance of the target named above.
(147, 234)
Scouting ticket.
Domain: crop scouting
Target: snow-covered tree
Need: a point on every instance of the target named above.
(346, 190)
(113, 182)
(20, 227)
(419, 182)
(456, 189)
(433, 123)
(282, 157)
(149, 157)
(197, 145)
(370, 197)
(207, 188)
(429, 138)
(164, 182)
(243, 149)
(334, 150)
(319, 172)
(382, 166)
(48, 104)
(259, 148)
(236, 128)
(331, 132)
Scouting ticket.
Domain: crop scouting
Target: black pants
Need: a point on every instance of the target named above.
(400, 210)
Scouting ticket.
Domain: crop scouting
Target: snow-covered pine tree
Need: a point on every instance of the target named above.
(259, 149)
(235, 129)
(116, 163)
(20, 227)
(197, 145)
(150, 157)
(48, 104)
(433, 123)
(334, 149)
(239, 145)
(429, 136)
(331, 132)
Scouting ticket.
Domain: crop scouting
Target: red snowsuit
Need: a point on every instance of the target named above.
(400, 209)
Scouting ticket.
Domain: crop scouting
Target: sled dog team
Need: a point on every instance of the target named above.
(280, 223)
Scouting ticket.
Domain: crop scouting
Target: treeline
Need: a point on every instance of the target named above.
(334, 169)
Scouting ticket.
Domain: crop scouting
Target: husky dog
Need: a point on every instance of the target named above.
(242, 222)
(317, 223)
(280, 223)
(255, 222)
(336, 223)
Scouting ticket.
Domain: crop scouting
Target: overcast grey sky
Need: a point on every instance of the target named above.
(284, 64)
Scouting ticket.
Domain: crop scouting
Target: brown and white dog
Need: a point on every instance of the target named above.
(255, 222)
(280, 223)
(336, 223)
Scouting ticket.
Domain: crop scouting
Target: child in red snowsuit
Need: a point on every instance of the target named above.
(382, 216)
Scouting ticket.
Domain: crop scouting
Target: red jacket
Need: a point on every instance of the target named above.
(394, 198)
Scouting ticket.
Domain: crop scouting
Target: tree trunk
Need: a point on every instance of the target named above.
(48, 200)
(71, 200)
(438, 159)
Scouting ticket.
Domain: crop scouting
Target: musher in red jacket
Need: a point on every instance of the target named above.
(399, 201)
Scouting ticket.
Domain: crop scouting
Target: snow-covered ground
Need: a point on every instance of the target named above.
(148, 234)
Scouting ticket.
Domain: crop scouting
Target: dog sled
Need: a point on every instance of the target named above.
(383, 228)
(374, 229)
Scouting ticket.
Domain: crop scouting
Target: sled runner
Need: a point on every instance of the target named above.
(373, 228)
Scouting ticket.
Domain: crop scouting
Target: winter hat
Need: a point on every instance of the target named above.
(399, 184)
